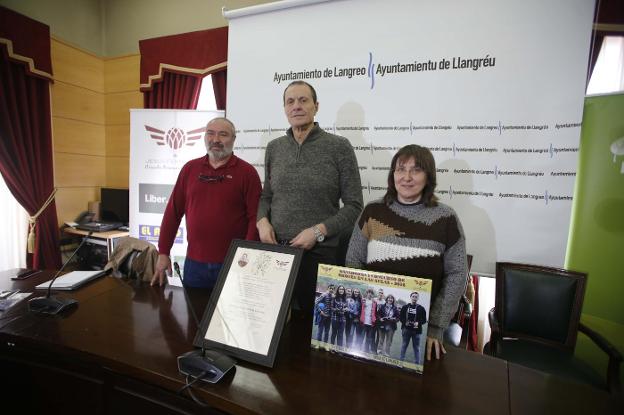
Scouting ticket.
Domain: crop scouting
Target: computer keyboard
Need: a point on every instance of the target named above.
(98, 226)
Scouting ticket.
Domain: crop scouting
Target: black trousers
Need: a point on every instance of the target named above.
(305, 285)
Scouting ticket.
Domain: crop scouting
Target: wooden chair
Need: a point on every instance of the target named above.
(536, 319)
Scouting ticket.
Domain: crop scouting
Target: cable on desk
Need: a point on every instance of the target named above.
(189, 385)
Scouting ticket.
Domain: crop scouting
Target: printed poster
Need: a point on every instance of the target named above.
(372, 316)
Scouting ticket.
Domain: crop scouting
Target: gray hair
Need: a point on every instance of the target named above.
(231, 124)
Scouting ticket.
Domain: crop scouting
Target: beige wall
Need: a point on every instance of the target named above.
(127, 22)
(77, 21)
(91, 98)
(114, 27)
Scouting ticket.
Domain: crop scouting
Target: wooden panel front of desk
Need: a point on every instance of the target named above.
(116, 353)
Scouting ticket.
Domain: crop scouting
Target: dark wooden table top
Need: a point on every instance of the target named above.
(138, 331)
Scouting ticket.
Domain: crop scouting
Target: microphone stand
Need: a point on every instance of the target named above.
(207, 365)
(51, 304)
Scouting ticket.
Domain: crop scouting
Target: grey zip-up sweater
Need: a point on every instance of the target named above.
(304, 183)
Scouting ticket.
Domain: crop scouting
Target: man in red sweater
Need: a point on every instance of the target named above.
(218, 194)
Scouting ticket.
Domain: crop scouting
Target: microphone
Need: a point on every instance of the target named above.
(207, 365)
(176, 268)
(51, 304)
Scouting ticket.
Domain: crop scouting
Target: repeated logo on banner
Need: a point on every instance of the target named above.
(161, 142)
(501, 113)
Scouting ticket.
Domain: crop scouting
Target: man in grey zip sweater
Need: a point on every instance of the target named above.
(307, 172)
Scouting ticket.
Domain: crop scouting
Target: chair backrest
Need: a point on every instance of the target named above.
(539, 303)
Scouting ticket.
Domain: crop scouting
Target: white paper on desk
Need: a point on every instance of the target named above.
(71, 280)
(174, 281)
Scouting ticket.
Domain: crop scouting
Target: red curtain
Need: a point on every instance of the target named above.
(25, 127)
(219, 82)
(172, 68)
(175, 91)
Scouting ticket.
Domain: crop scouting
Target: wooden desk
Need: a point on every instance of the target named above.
(534, 392)
(116, 353)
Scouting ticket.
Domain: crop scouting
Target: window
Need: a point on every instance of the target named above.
(608, 74)
(14, 225)
(206, 95)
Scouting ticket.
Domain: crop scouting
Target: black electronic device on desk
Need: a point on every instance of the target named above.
(99, 226)
(23, 273)
(205, 365)
(114, 212)
(51, 304)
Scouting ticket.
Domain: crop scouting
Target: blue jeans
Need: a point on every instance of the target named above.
(368, 338)
(200, 274)
(410, 334)
(323, 328)
(349, 329)
(338, 328)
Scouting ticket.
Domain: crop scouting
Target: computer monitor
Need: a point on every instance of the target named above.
(114, 205)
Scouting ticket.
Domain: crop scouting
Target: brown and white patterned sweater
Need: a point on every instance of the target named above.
(418, 241)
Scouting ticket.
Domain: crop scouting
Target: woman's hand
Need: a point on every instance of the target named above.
(436, 345)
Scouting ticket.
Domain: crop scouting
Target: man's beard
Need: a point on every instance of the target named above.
(219, 153)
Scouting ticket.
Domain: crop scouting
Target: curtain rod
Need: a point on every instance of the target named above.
(268, 7)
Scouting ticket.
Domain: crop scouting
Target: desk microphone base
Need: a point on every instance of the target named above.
(51, 305)
(211, 365)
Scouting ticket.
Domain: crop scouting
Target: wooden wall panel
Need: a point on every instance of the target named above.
(72, 136)
(118, 106)
(71, 201)
(91, 101)
(118, 140)
(77, 103)
(76, 67)
(122, 74)
(117, 172)
(78, 170)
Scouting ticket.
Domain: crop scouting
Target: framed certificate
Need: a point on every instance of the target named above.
(249, 304)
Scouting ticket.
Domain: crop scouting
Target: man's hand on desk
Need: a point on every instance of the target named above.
(437, 346)
(162, 266)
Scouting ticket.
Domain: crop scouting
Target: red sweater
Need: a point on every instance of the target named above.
(217, 210)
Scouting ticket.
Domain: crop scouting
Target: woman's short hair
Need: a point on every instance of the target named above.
(423, 159)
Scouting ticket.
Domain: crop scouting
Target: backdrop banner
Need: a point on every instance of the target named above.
(161, 142)
(494, 88)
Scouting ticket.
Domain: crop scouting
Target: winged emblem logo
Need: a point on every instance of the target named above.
(175, 137)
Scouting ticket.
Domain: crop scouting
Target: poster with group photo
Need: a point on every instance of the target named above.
(372, 316)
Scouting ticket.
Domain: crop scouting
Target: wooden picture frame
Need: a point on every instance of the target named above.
(249, 305)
